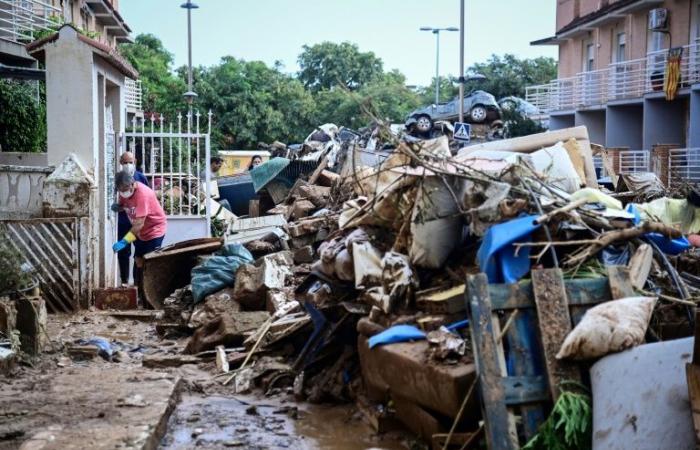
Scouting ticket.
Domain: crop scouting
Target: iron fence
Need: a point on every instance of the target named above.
(683, 166)
(175, 160)
(21, 20)
(632, 161)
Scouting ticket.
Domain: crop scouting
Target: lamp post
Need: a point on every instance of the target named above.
(190, 95)
(461, 61)
(436, 32)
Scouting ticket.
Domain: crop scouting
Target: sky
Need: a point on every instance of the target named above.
(276, 30)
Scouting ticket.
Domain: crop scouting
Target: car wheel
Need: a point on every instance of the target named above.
(478, 114)
(508, 105)
(423, 124)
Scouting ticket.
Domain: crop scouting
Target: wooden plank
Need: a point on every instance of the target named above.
(696, 346)
(314, 176)
(524, 350)
(525, 389)
(554, 325)
(500, 428)
(254, 208)
(588, 291)
(692, 373)
(620, 282)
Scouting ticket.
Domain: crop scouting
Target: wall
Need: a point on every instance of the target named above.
(673, 117)
(623, 126)
(24, 159)
(566, 12)
(20, 191)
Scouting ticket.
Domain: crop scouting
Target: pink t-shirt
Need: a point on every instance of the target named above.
(144, 203)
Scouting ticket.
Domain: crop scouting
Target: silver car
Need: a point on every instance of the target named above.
(479, 106)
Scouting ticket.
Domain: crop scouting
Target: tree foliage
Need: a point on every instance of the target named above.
(162, 89)
(509, 75)
(253, 102)
(22, 117)
(328, 65)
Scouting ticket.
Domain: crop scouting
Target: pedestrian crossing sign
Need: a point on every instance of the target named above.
(462, 131)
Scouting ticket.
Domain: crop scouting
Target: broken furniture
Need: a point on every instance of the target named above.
(516, 369)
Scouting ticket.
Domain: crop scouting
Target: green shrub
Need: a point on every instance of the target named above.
(23, 117)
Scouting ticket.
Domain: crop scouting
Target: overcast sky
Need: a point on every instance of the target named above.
(275, 30)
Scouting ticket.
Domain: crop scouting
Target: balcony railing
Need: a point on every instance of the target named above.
(133, 96)
(21, 20)
(619, 81)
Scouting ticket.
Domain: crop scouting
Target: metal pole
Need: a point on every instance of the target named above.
(461, 61)
(189, 53)
(437, 67)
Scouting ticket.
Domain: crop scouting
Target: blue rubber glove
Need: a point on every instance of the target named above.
(120, 245)
(115, 207)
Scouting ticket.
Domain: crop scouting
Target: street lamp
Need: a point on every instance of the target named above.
(190, 95)
(436, 32)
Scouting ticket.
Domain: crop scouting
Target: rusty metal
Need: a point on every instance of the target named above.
(52, 247)
(169, 268)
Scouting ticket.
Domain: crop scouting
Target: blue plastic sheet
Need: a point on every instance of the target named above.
(397, 333)
(218, 271)
(669, 246)
(496, 256)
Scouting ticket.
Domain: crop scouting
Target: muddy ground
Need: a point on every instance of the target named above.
(121, 404)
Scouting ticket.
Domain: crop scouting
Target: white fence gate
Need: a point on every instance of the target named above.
(175, 160)
(683, 166)
(632, 161)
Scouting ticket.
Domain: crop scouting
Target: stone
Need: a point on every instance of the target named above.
(254, 280)
(8, 316)
(8, 358)
(305, 227)
(304, 255)
(31, 324)
(213, 306)
(302, 208)
(404, 370)
(228, 330)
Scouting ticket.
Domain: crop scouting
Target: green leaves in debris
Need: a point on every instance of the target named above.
(569, 426)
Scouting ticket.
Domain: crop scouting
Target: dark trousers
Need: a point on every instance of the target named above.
(124, 255)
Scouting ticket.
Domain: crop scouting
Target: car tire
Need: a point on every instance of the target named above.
(478, 114)
(423, 124)
(508, 105)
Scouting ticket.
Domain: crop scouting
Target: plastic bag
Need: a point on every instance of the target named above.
(218, 271)
(608, 328)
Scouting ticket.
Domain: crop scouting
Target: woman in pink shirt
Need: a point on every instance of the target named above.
(148, 221)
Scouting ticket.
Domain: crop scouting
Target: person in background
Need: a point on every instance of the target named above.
(148, 221)
(215, 164)
(255, 162)
(128, 164)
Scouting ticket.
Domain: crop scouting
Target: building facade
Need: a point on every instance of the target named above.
(612, 66)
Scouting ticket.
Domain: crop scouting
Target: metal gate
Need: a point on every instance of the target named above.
(632, 161)
(52, 248)
(683, 166)
(175, 160)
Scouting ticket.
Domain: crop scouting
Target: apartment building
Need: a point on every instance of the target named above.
(21, 21)
(612, 63)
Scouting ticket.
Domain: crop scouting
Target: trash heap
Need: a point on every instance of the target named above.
(351, 286)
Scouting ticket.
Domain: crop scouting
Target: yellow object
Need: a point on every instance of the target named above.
(129, 237)
(237, 161)
(595, 196)
(672, 212)
(673, 73)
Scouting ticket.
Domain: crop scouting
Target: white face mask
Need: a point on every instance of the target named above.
(129, 167)
(126, 194)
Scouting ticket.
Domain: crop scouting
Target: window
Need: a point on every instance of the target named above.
(620, 49)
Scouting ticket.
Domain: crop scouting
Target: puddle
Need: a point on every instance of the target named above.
(253, 423)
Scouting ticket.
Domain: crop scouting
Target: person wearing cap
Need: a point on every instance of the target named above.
(148, 220)
(128, 164)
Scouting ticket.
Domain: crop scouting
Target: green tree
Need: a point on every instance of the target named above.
(252, 102)
(162, 89)
(328, 65)
(448, 91)
(509, 75)
(386, 98)
(22, 117)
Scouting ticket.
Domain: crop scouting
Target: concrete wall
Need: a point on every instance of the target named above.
(595, 122)
(24, 159)
(623, 126)
(694, 131)
(559, 121)
(664, 122)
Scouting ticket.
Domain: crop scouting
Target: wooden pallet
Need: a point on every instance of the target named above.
(501, 319)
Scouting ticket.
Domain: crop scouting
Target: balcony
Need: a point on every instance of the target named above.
(619, 81)
(133, 97)
(21, 20)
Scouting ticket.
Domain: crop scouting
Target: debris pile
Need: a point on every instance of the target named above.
(365, 277)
